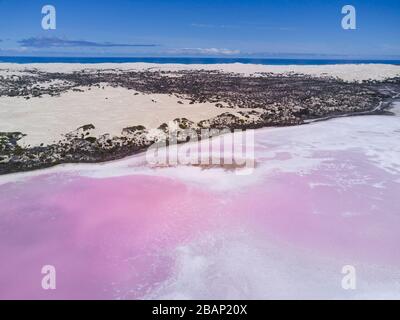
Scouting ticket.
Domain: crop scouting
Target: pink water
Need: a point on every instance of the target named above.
(318, 200)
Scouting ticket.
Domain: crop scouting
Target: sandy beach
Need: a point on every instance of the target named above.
(346, 72)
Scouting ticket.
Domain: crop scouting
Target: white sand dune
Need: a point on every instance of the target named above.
(110, 110)
(347, 72)
(46, 119)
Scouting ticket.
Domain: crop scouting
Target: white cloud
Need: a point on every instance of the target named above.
(206, 51)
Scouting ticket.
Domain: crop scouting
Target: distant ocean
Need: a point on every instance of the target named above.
(191, 60)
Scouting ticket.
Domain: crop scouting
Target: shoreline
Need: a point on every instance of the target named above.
(346, 72)
(98, 115)
(384, 110)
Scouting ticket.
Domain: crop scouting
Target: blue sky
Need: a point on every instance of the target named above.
(247, 28)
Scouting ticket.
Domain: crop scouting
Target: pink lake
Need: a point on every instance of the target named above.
(321, 197)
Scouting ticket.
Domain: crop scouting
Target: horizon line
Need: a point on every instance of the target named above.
(300, 57)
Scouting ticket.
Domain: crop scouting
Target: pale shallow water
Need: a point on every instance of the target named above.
(322, 196)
